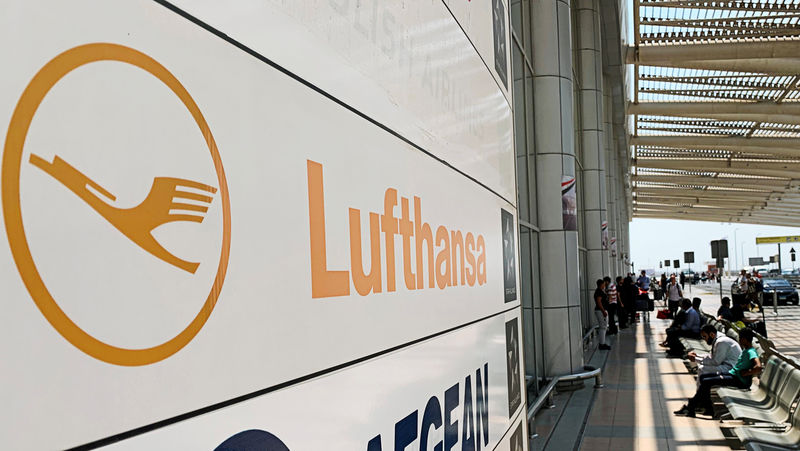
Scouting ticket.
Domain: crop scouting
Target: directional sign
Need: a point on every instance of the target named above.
(778, 239)
(719, 249)
(666, 262)
(756, 261)
(676, 263)
(688, 257)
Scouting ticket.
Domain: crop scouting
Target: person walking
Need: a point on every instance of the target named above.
(683, 281)
(674, 295)
(601, 313)
(643, 282)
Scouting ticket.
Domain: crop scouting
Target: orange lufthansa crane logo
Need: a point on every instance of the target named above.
(137, 223)
(167, 201)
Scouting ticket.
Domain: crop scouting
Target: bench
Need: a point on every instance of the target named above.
(775, 374)
(776, 408)
(755, 446)
(765, 439)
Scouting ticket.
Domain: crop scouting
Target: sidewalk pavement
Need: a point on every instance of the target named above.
(642, 389)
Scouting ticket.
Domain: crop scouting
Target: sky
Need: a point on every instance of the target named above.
(654, 240)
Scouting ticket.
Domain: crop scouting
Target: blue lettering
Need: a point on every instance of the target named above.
(450, 428)
(375, 444)
(405, 431)
(467, 423)
(431, 417)
(482, 406)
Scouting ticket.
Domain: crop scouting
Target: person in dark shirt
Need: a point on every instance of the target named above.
(601, 313)
(690, 328)
(737, 312)
(724, 311)
(627, 295)
(696, 305)
(622, 314)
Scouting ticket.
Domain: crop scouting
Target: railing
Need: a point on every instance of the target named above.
(545, 398)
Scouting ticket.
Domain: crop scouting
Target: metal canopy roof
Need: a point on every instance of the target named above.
(716, 110)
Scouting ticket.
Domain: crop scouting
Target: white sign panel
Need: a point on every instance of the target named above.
(449, 392)
(188, 224)
(411, 68)
(486, 23)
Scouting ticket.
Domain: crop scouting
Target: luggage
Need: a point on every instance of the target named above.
(642, 304)
(663, 314)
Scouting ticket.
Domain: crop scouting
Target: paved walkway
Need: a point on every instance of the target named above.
(643, 388)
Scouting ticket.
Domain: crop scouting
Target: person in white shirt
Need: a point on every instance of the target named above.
(674, 294)
(613, 310)
(724, 352)
(742, 282)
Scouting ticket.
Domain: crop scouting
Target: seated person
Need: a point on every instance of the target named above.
(677, 322)
(696, 305)
(740, 305)
(689, 329)
(724, 311)
(740, 376)
(724, 352)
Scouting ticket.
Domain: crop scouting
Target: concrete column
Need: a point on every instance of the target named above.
(589, 55)
(621, 203)
(555, 155)
(612, 172)
(623, 163)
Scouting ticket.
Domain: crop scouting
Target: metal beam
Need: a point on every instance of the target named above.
(775, 57)
(785, 113)
(746, 6)
(770, 146)
(704, 193)
(733, 166)
(718, 213)
(728, 182)
(689, 217)
(656, 54)
(699, 201)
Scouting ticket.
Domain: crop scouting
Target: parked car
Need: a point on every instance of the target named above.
(787, 294)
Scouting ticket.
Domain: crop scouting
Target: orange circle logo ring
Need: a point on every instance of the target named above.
(25, 110)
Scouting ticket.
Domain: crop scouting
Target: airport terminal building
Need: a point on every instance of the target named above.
(316, 224)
